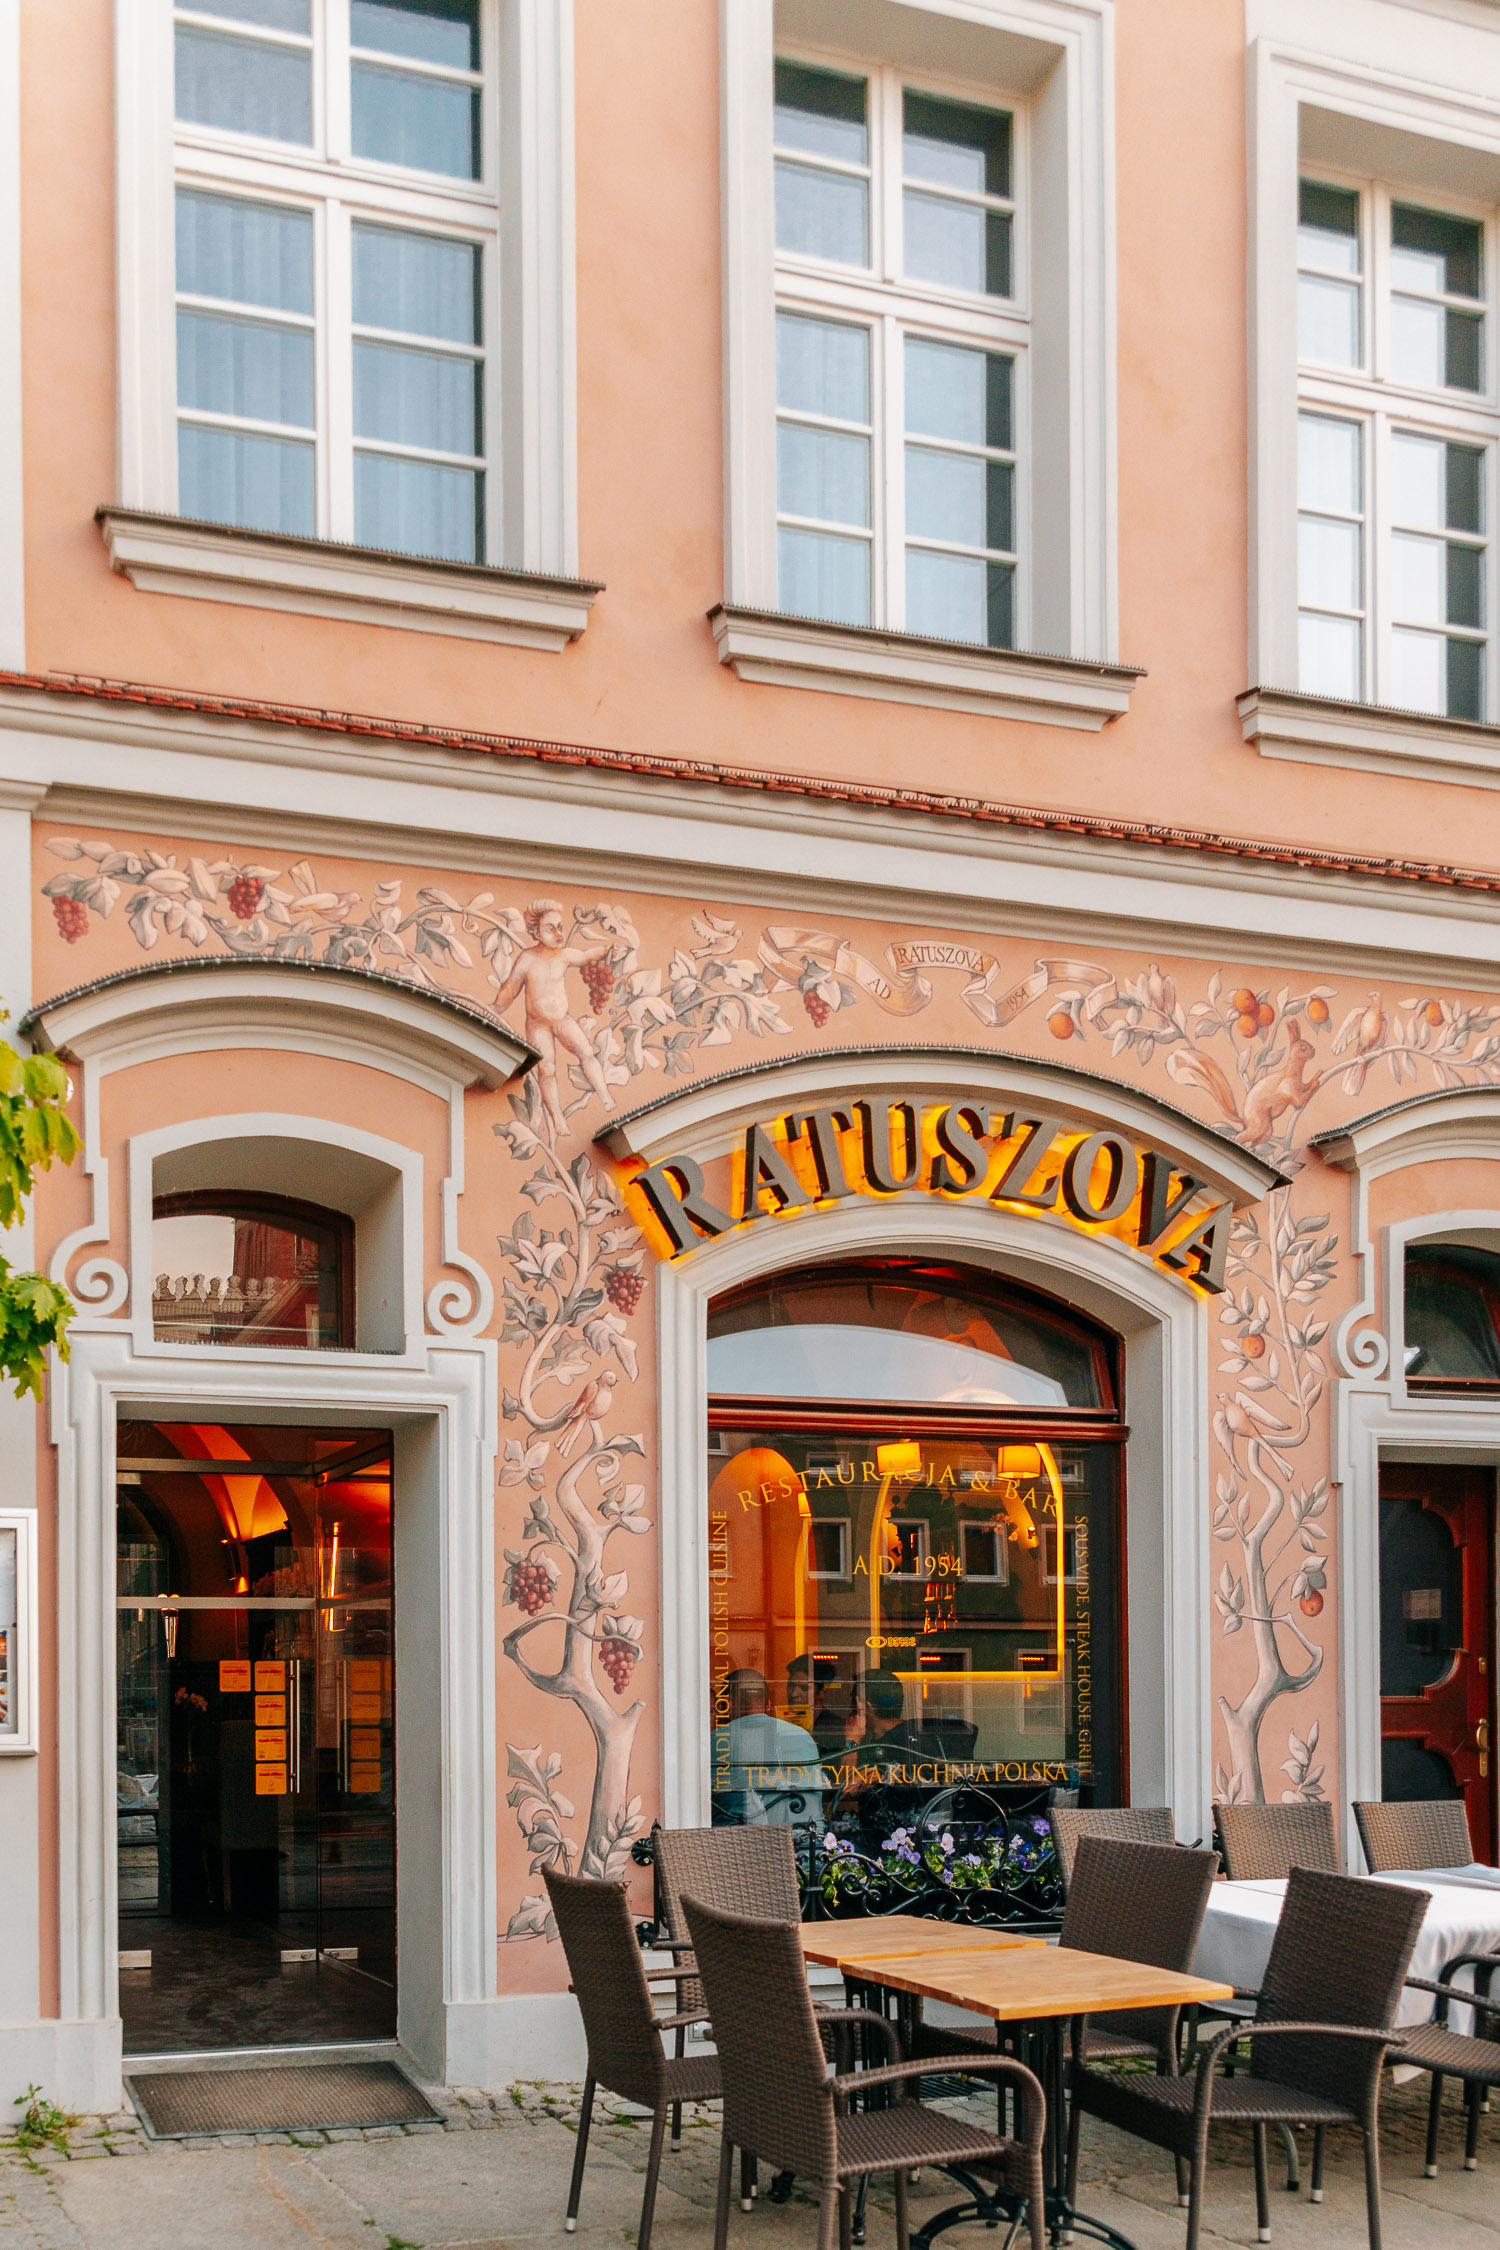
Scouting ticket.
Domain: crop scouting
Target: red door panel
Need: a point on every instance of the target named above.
(1437, 1638)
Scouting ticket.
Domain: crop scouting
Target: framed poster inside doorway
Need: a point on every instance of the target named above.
(17, 1633)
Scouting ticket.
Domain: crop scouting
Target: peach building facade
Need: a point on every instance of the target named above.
(748, 756)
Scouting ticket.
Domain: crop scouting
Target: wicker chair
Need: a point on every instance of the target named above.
(1453, 2054)
(1402, 1838)
(1139, 1902)
(1123, 1824)
(745, 1871)
(1321, 2033)
(1262, 1843)
(623, 2030)
(780, 2101)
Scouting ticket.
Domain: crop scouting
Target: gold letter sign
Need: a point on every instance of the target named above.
(957, 1151)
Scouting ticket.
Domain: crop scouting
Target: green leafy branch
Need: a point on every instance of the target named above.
(34, 1129)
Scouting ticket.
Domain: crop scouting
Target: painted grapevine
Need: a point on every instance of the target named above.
(1265, 1063)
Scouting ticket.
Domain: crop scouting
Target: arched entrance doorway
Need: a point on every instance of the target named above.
(915, 1534)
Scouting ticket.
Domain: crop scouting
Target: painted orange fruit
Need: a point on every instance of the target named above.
(1253, 1346)
(1248, 1025)
(1317, 1010)
(1265, 1015)
(1311, 1603)
(1434, 1013)
(1060, 1024)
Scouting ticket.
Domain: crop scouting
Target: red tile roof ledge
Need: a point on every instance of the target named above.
(711, 774)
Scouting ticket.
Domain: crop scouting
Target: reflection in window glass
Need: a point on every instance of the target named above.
(1328, 303)
(960, 239)
(1452, 1315)
(822, 176)
(244, 85)
(1437, 339)
(250, 1271)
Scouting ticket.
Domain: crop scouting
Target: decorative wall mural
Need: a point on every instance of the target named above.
(616, 995)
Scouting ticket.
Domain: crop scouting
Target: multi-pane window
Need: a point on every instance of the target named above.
(1397, 429)
(335, 255)
(900, 348)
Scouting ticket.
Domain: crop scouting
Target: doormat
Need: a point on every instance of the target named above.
(309, 2097)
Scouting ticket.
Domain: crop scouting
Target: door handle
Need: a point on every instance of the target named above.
(1482, 1735)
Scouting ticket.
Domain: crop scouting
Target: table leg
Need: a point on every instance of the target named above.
(1042, 2047)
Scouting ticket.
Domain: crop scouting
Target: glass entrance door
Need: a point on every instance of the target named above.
(256, 1747)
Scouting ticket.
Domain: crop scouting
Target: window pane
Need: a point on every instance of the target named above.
(1419, 478)
(1419, 671)
(1328, 321)
(952, 392)
(417, 284)
(1465, 586)
(1435, 254)
(427, 124)
(272, 15)
(959, 598)
(959, 497)
(821, 575)
(1465, 679)
(822, 214)
(434, 31)
(252, 253)
(822, 473)
(246, 1276)
(261, 483)
(1328, 563)
(416, 398)
(956, 245)
(1419, 340)
(418, 508)
(1328, 657)
(1328, 227)
(244, 87)
(1418, 592)
(245, 367)
(1328, 472)
(822, 367)
(953, 145)
(821, 112)
(1463, 359)
(1465, 488)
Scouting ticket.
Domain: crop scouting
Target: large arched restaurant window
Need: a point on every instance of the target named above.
(915, 1585)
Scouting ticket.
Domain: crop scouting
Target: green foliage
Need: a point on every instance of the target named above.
(34, 1128)
(43, 2124)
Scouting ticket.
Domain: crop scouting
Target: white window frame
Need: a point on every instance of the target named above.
(880, 300)
(1000, 1576)
(1414, 111)
(1050, 64)
(522, 213)
(1368, 397)
(841, 1523)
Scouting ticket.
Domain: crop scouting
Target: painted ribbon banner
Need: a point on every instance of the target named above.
(960, 1150)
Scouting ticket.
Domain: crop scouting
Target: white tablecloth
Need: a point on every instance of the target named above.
(1464, 1917)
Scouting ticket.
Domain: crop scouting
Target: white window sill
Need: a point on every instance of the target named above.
(1314, 730)
(781, 651)
(319, 578)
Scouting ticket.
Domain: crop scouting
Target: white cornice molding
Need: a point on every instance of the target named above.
(800, 652)
(1458, 1122)
(707, 1119)
(320, 578)
(258, 782)
(198, 1001)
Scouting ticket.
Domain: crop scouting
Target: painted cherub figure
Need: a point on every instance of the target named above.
(539, 975)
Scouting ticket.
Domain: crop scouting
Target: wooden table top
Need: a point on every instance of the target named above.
(1020, 1982)
(836, 1945)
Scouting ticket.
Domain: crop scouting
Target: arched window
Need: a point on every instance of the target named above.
(251, 1270)
(914, 1540)
(1452, 1317)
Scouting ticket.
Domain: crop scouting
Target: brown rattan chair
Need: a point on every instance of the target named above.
(1454, 2054)
(745, 1871)
(1400, 1839)
(1124, 1824)
(780, 2101)
(1262, 1843)
(621, 2025)
(1321, 2033)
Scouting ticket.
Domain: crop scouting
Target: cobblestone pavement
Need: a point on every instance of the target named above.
(492, 2171)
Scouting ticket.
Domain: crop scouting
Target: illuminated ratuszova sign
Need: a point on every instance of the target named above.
(956, 1150)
